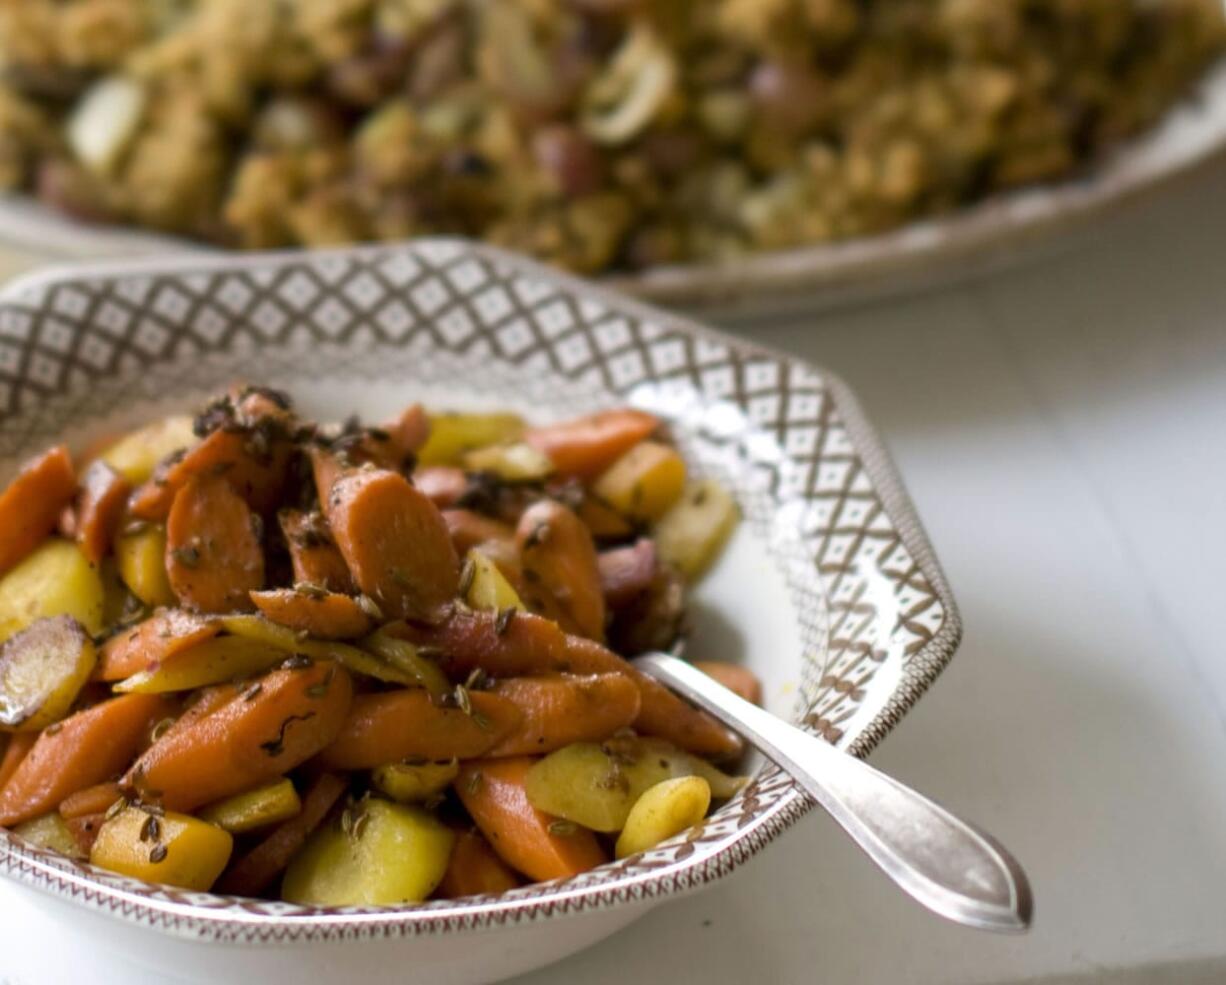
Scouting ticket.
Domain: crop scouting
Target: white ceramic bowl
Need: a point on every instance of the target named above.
(829, 589)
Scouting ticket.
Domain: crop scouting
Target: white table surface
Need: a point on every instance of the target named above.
(1061, 428)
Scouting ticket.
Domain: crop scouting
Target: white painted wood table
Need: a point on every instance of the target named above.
(1075, 408)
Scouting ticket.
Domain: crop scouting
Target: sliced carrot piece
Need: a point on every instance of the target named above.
(526, 839)
(443, 485)
(407, 724)
(30, 507)
(213, 552)
(587, 446)
(469, 529)
(627, 572)
(562, 709)
(151, 642)
(561, 575)
(326, 469)
(99, 508)
(82, 750)
(97, 799)
(395, 543)
(501, 646)
(19, 746)
(282, 720)
(253, 873)
(737, 679)
(84, 830)
(313, 553)
(326, 616)
(475, 869)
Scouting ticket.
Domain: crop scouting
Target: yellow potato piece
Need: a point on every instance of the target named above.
(136, 455)
(222, 658)
(386, 854)
(451, 435)
(141, 557)
(663, 811)
(421, 671)
(644, 483)
(42, 670)
(175, 850)
(517, 462)
(690, 535)
(50, 832)
(489, 588)
(258, 808)
(412, 782)
(597, 785)
(54, 580)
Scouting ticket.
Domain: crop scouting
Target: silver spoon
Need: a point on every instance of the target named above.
(947, 864)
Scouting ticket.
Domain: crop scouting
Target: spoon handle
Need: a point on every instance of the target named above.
(945, 863)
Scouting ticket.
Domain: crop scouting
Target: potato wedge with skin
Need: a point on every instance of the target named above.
(269, 804)
(408, 783)
(42, 670)
(137, 454)
(51, 832)
(644, 483)
(172, 849)
(690, 535)
(517, 462)
(54, 580)
(663, 811)
(141, 558)
(31, 505)
(222, 658)
(489, 588)
(317, 612)
(392, 853)
(452, 435)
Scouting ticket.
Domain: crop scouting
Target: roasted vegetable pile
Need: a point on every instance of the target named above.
(355, 665)
(593, 133)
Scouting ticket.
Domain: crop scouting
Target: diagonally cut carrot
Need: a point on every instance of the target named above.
(561, 709)
(526, 839)
(85, 749)
(31, 505)
(587, 446)
(475, 869)
(561, 574)
(324, 616)
(19, 746)
(99, 507)
(213, 553)
(151, 642)
(313, 553)
(92, 800)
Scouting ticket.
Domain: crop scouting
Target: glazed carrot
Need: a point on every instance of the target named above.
(525, 644)
(252, 873)
(313, 553)
(92, 800)
(737, 679)
(395, 543)
(626, 572)
(562, 709)
(443, 485)
(152, 641)
(85, 749)
(407, 724)
(282, 720)
(475, 869)
(19, 746)
(405, 436)
(560, 569)
(326, 616)
(203, 703)
(602, 520)
(469, 530)
(99, 507)
(257, 477)
(31, 505)
(661, 713)
(493, 792)
(213, 552)
(587, 446)
(326, 469)
(84, 830)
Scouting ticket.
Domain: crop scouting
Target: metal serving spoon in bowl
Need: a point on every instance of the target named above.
(947, 864)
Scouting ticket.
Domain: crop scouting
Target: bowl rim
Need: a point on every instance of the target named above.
(221, 921)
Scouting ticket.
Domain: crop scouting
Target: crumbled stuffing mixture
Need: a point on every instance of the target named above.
(596, 134)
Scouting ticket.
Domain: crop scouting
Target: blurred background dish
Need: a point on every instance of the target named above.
(740, 155)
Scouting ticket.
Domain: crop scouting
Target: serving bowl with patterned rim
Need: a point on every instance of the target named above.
(829, 590)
